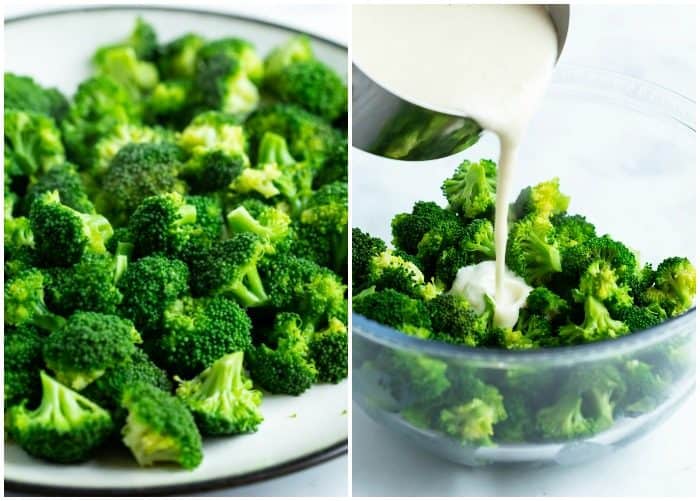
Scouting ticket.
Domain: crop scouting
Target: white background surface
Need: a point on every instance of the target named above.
(655, 43)
(328, 479)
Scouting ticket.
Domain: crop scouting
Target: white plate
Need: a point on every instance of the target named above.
(298, 432)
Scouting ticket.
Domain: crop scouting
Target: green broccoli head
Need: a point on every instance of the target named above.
(222, 399)
(294, 50)
(198, 331)
(177, 59)
(230, 267)
(471, 191)
(394, 309)
(23, 93)
(543, 201)
(25, 303)
(285, 366)
(162, 224)
(138, 171)
(547, 304)
(597, 325)
(310, 138)
(65, 179)
(62, 235)
(563, 420)
(601, 282)
(571, 229)
(149, 285)
(87, 345)
(88, 285)
(159, 428)
(98, 107)
(65, 428)
(107, 390)
(364, 248)
(532, 252)
(260, 219)
(32, 145)
(22, 360)
(123, 64)
(328, 349)
(638, 318)
(476, 243)
(455, 321)
(674, 286)
(107, 146)
(312, 85)
(225, 77)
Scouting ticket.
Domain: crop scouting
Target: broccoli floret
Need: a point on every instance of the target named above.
(545, 303)
(476, 244)
(62, 235)
(159, 428)
(364, 248)
(292, 180)
(519, 426)
(88, 285)
(322, 230)
(414, 380)
(216, 146)
(24, 301)
(19, 239)
(532, 252)
(645, 388)
(138, 171)
(255, 217)
(32, 146)
(285, 366)
(394, 309)
(601, 282)
(328, 349)
(210, 220)
(177, 58)
(222, 399)
(564, 419)
(23, 93)
(471, 191)
(543, 201)
(87, 345)
(107, 391)
(65, 428)
(576, 259)
(225, 77)
(65, 179)
(674, 286)
(148, 286)
(409, 229)
(388, 270)
(107, 147)
(312, 85)
(231, 267)
(571, 229)
(162, 223)
(198, 331)
(143, 39)
(168, 103)
(320, 297)
(455, 321)
(638, 318)
(471, 422)
(295, 50)
(98, 107)
(22, 360)
(310, 138)
(597, 325)
(123, 64)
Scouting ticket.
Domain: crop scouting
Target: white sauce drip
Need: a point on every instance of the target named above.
(488, 62)
(475, 281)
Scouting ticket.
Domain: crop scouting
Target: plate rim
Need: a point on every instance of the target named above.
(237, 480)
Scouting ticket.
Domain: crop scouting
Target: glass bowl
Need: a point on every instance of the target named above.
(624, 151)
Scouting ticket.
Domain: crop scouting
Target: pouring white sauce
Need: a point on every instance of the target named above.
(488, 62)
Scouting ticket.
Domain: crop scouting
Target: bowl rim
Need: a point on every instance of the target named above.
(284, 468)
(560, 355)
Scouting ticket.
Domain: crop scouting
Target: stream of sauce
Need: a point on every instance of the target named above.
(488, 62)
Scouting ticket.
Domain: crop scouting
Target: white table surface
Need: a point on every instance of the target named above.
(655, 43)
(329, 21)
